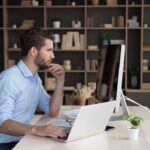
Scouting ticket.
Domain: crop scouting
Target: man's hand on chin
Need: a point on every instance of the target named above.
(57, 71)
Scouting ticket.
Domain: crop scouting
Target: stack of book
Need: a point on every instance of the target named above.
(27, 24)
(112, 2)
(26, 3)
(91, 64)
(72, 41)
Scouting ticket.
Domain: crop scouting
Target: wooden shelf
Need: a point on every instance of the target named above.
(147, 28)
(75, 71)
(69, 88)
(106, 6)
(102, 28)
(129, 28)
(65, 6)
(137, 90)
(15, 29)
(148, 71)
(92, 50)
(73, 50)
(65, 28)
(23, 7)
(14, 49)
(134, 6)
(146, 48)
(92, 71)
(146, 6)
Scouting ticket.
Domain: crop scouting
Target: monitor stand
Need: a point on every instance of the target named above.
(124, 107)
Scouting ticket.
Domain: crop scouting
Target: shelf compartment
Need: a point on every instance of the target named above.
(93, 35)
(71, 79)
(66, 16)
(67, 3)
(137, 2)
(77, 61)
(99, 20)
(146, 16)
(26, 15)
(91, 77)
(146, 38)
(146, 2)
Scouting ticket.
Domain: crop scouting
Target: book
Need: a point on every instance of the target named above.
(76, 39)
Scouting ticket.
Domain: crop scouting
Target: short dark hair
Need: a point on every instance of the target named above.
(33, 37)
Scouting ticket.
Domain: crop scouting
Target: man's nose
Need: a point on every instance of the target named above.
(52, 55)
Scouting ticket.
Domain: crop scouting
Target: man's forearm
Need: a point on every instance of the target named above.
(57, 98)
(15, 128)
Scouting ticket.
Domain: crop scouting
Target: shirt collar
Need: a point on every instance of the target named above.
(24, 69)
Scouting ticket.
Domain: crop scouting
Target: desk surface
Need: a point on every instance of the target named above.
(110, 140)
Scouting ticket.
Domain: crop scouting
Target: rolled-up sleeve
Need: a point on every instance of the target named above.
(7, 98)
(44, 100)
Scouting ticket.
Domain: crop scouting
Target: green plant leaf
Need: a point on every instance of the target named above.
(134, 120)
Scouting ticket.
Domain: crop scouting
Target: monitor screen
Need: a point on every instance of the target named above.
(110, 73)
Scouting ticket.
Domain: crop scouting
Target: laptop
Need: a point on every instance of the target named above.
(90, 120)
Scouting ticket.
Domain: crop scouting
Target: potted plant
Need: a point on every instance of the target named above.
(104, 39)
(56, 22)
(133, 71)
(135, 122)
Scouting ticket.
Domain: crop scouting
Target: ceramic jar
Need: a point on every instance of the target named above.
(67, 65)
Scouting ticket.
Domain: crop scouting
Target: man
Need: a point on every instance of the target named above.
(21, 90)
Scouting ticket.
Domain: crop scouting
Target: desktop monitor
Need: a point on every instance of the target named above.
(110, 75)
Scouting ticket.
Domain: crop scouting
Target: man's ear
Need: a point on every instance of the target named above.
(33, 51)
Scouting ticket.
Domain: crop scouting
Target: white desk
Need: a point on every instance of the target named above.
(111, 140)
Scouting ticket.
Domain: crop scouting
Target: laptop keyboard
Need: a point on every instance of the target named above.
(67, 131)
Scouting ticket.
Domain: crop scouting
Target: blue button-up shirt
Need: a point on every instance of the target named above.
(20, 93)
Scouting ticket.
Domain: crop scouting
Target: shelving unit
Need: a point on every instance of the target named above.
(1, 37)
(136, 38)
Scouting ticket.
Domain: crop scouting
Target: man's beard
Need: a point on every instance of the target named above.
(41, 64)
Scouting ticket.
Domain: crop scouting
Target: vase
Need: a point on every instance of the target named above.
(56, 24)
(134, 81)
(79, 102)
(133, 133)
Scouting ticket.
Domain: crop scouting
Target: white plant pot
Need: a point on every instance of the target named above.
(134, 81)
(56, 24)
(133, 133)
